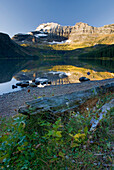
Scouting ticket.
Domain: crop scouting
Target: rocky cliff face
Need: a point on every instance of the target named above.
(55, 29)
(45, 33)
(50, 32)
(83, 28)
(82, 31)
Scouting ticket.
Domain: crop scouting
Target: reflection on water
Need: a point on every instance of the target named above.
(107, 64)
(74, 68)
(8, 68)
(7, 87)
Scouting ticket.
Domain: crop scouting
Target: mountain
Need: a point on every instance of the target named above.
(52, 33)
(9, 49)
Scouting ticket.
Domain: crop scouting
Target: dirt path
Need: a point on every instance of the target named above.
(9, 103)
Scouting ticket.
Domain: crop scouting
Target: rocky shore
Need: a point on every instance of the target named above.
(9, 103)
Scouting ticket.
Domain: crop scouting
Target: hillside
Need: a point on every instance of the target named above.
(104, 52)
(9, 49)
(79, 35)
(52, 39)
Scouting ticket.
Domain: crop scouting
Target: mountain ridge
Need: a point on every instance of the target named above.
(10, 49)
(54, 32)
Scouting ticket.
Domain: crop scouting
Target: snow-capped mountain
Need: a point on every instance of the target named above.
(52, 33)
(47, 27)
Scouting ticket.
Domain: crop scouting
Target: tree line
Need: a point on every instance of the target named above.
(107, 51)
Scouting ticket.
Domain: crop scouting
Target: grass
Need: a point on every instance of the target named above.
(67, 47)
(40, 144)
(89, 42)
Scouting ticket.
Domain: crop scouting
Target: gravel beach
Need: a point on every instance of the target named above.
(9, 103)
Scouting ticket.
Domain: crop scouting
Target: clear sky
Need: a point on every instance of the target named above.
(22, 16)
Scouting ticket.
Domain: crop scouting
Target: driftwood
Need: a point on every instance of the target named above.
(103, 111)
(60, 105)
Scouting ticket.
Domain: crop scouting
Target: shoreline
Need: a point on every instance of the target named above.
(10, 102)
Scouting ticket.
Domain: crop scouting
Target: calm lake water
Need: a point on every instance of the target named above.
(13, 71)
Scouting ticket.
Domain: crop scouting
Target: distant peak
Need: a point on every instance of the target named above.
(47, 26)
(81, 24)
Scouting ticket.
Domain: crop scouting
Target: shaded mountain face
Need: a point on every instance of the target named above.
(55, 33)
(9, 49)
(45, 33)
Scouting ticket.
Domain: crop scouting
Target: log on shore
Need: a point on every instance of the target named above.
(60, 105)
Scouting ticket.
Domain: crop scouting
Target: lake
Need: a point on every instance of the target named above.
(13, 71)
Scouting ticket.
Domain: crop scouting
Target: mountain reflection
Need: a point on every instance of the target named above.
(8, 68)
(38, 68)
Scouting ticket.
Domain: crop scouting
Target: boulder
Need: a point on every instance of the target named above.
(18, 84)
(42, 81)
(13, 86)
(49, 82)
(37, 82)
(24, 84)
(33, 80)
(82, 79)
(32, 84)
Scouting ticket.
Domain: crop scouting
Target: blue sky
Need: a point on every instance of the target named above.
(21, 16)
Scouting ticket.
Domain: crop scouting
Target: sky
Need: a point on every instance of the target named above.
(22, 16)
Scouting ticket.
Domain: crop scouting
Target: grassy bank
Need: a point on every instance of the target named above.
(64, 144)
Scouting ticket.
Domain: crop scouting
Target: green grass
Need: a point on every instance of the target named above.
(89, 42)
(40, 144)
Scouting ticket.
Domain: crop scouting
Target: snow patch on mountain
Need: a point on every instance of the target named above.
(61, 42)
(47, 26)
(41, 35)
